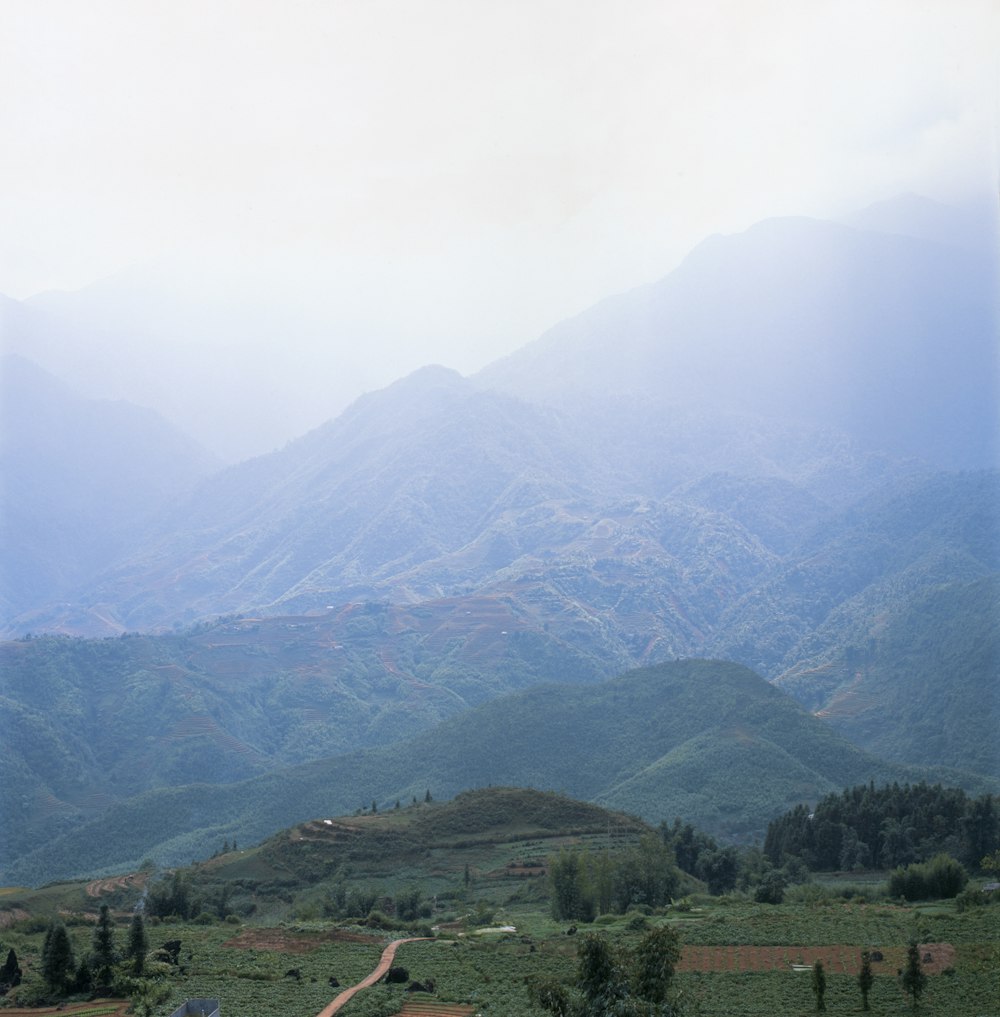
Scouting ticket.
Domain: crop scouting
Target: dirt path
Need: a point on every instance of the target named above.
(388, 956)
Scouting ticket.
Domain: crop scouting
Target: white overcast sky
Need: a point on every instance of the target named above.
(468, 170)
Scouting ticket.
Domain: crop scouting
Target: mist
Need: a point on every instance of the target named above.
(245, 217)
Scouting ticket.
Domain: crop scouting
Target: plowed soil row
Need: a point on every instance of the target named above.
(120, 1005)
(936, 957)
(415, 1009)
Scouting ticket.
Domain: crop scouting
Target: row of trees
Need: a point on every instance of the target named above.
(865, 827)
(637, 981)
(584, 884)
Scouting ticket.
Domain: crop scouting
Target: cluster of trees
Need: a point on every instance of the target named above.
(104, 968)
(698, 854)
(865, 827)
(174, 896)
(361, 902)
(627, 982)
(584, 884)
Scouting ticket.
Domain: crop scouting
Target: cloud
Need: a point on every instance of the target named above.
(608, 138)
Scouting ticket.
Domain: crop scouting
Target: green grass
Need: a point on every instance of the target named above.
(489, 971)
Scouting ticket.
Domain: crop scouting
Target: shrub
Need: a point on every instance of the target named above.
(939, 878)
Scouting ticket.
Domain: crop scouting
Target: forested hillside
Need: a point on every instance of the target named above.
(709, 741)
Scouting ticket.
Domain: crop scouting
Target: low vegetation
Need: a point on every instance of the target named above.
(283, 926)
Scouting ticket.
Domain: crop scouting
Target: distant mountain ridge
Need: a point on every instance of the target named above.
(889, 339)
(83, 481)
(754, 459)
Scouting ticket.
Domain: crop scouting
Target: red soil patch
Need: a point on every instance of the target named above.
(846, 960)
(281, 941)
(412, 1008)
(11, 916)
(120, 1005)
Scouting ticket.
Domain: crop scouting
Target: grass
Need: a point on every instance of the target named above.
(248, 967)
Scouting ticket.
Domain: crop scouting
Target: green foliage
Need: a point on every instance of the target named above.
(869, 827)
(941, 877)
(58, 962)
(103, 954)
(628, 980)
(628, 743)
(585, 884)
(138, 945)
(913, 980)
(10, 972)
(817, 980)
(866, 978)
(771, 889)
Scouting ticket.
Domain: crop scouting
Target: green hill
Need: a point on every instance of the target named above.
(620, 742)
(932, 668)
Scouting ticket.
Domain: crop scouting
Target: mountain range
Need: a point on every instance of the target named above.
(781, 455)
(706, 740)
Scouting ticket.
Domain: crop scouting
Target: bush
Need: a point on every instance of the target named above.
(939, 878)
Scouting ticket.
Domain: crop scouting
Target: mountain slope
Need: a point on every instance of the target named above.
(610, 742)
(83, 481)
(887, 338)
(924, 686)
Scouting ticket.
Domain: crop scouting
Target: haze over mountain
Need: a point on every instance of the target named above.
(800, 351)
(83, 480)
(886, 338)
(754, 459)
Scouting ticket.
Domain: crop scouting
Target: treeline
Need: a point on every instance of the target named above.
(865, 827)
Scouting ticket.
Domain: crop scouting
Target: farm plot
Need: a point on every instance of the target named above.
(841, 960)
(430, 1008)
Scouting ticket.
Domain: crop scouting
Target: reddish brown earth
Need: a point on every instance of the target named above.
(836, 959)
(413, 1008)
(120, 1005)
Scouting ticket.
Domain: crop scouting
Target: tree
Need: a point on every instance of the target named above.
(771, 889)
(10, 973)
(819, 984)
(913, 978)
(626, 983)
(567, 877)
(58, 963)
(654, 961)
(138, 944)
(718, 869)
(103, 955)
(866, 979)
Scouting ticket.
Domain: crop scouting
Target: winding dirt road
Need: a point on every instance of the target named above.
(388, 956)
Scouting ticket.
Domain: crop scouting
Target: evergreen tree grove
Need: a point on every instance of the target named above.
(58, 963)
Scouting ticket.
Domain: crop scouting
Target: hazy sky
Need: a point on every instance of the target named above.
(456, 175)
